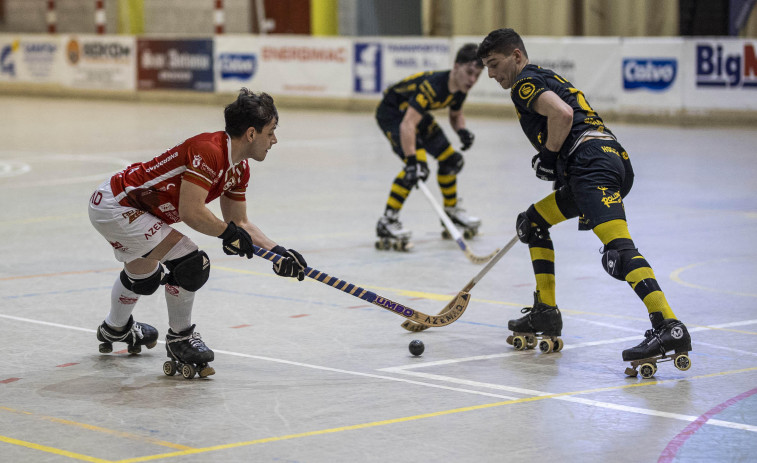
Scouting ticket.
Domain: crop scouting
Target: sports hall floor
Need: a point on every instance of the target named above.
(306, 373)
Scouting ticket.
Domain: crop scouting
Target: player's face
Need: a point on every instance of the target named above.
(503, 68)
(263, 141)
(466, 75)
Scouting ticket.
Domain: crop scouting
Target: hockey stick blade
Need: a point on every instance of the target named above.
(452, 229)
(451, 312)
(415, 327)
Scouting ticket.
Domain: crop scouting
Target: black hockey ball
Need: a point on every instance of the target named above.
(416, 347)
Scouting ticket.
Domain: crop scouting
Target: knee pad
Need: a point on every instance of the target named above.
(190, 272)
(527, 231)
(143, 286)
(615, 261)
(452, 165)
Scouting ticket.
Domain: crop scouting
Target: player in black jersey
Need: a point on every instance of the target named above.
(404, 118)
(592, 174)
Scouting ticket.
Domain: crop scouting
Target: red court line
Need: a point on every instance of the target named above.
(9, 380)
(241, 326)
(675, 445)
(66, 365)
(299, 316)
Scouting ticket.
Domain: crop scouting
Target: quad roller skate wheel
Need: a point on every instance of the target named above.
(546, 345)
(559, 344)
(169, 368)
(519, 343)
(105, 348)
(682, 362)
(446, 235)
(188, 371)
(134, 349)
(647, 370)
(468, 234)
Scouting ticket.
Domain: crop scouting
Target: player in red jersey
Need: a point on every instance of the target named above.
(134, 211)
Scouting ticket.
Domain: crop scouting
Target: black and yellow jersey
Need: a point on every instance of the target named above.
(423, 91)
(532, 82)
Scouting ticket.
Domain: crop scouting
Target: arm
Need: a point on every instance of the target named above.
(456, 120)
(407, 130)
(236, 211)
(195, 214)
(559, 116)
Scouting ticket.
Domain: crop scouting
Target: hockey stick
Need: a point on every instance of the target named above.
(452, 229)
(451, 312)
(412, 326)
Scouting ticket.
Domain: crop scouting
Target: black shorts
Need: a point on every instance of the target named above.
(594, 181)
(428, 135)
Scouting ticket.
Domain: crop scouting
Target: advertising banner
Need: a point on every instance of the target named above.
(284, 65)
(720, 74)
(590, 64)
(30, 58)
(175, 64)
(651, 74)
(103, 62)
(380, 62)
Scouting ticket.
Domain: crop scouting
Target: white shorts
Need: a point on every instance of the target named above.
(132, 233)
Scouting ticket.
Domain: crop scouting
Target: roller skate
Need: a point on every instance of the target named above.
(542, 325)
(134, 334)
(668, 335)
(188, 354)
(467, 224)
(391, 234)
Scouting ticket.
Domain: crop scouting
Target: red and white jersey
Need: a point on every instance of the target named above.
(204, 160)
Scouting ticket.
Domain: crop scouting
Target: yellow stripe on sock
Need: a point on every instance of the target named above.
(446, 153)
(548, 209)
(545, 284)
(420, 154)
(542, 254)
(612, 230)
(635, 276)
(400, 190)
(656, 302)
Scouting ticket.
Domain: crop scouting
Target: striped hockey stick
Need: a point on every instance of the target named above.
(449, 314)
(413, 326)
(452, 229)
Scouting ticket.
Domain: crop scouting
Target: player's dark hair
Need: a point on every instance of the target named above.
(467, 53)
(249, 110)
(501, 41)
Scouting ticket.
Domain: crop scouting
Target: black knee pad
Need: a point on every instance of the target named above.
(527, 231)
(189, 272)
(616, 260)
(143, 286)
(452, 165)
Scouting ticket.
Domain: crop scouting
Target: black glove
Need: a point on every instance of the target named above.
(544, 164)
(423, 170)
(236, 241)
(466, 138)
(292, 265)
(412, 170)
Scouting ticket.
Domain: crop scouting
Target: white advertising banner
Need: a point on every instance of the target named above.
(103, 62)
(590, 64)
(720, 74)
(382, 62)
(284, 65)
(652, 74)
(30, 58)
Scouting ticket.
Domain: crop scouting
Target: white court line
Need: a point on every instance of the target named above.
(448, 379)
(285, 362)
(36, 157)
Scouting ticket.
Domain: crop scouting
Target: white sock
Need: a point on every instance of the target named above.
(122, 303)
(179, 302)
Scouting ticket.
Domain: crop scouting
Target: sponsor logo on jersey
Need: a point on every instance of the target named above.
(160, 163)
(526, 90)
(132, 214)
(165, 207)
(726, 64)
(608, 200)
(237, 65)
(654, 74)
